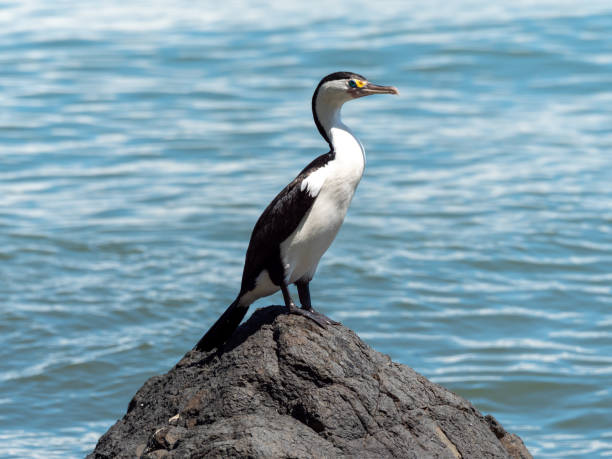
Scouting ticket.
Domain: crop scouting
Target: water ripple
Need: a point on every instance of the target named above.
(141, 141)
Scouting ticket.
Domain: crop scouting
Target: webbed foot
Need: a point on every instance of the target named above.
(316, 317)
(320, 319)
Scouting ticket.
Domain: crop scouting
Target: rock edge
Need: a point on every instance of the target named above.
(285, 387)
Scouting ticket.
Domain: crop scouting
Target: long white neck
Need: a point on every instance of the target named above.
(345, 145)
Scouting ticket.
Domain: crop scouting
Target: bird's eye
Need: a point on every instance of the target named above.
(352, 83)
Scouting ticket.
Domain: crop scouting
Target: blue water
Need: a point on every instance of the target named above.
(139, 141)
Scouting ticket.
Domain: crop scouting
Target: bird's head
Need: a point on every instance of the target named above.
(337, 88)
(340, 87)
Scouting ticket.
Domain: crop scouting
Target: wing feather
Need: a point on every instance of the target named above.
(277, 222)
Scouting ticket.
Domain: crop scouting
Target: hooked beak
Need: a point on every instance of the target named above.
(371, 88)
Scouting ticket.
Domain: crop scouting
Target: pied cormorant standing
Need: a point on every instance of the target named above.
(301, 222)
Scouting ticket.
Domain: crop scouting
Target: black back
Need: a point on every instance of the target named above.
(277, 222)
(285, 212)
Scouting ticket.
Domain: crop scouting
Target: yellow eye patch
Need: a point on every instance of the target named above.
(356, 83)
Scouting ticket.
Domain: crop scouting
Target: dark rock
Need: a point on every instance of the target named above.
(285, 387)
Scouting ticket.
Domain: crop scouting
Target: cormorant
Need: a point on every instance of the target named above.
(301, 222)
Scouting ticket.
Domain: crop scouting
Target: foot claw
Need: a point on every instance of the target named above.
(317, 317)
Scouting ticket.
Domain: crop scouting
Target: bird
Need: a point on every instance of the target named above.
(301, 222)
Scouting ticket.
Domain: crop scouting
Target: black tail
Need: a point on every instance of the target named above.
(223, 328)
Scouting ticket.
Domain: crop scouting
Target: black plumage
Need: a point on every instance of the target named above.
(330, 77)
(276, 223)
(295, 205)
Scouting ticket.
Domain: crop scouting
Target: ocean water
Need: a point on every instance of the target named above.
(139, 142)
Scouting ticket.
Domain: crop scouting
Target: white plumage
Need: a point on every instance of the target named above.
(302, 221)
(302, 251)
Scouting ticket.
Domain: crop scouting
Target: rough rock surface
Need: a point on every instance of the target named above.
(285, 387)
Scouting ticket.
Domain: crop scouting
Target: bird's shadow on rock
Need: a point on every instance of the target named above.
(261, 317)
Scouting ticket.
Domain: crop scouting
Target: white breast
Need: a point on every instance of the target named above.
(336, 184)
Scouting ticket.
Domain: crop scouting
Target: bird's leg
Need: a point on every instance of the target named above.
(293, 309)
(287, 297)
(304, 294)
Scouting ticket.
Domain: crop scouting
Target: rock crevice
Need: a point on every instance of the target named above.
(285, 387)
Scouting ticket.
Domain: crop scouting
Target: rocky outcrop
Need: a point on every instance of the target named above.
(285, 387)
